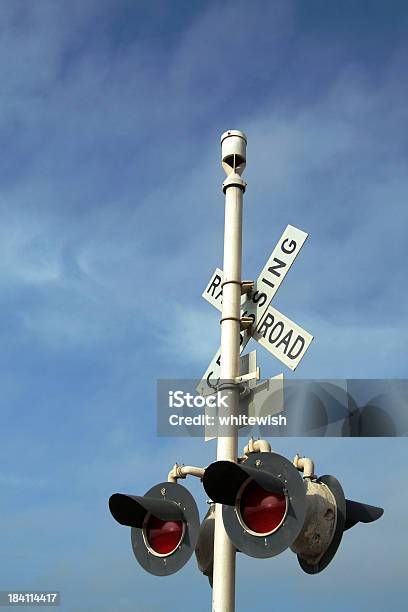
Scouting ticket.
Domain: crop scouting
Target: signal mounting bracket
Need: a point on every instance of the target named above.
(255, 375)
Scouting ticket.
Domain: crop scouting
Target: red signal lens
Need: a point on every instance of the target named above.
(260, 510)
(163, 537)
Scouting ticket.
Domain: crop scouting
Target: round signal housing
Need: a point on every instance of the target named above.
(263, 502)
(163, 544)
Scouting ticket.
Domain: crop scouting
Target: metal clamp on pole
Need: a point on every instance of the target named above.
(234, 180)
(244, 322)
(231, 281)
(230, 319)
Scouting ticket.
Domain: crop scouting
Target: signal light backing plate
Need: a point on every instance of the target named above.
(264, 546)
(165, 565)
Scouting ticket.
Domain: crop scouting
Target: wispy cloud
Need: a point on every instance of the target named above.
(112, 221)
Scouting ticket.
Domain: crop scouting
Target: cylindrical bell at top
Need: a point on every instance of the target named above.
(233, 151)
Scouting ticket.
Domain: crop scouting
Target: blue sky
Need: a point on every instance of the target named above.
(111, 224)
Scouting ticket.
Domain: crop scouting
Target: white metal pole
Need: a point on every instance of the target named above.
(233, 145)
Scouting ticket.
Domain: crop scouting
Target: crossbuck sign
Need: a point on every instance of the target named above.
(273, 330)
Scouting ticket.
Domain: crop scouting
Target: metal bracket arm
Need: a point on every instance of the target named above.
(182, 471)
(246, 322)
(305, 465)
(256, 375)
(247, 287)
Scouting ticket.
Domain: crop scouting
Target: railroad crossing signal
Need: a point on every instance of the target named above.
(263, 502)
(260, 503)
(268, 507)
(164, 526)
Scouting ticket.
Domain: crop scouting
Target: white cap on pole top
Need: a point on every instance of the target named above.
(233, 151)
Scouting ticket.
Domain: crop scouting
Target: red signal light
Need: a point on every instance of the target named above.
(260, 511)
(163, 537)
